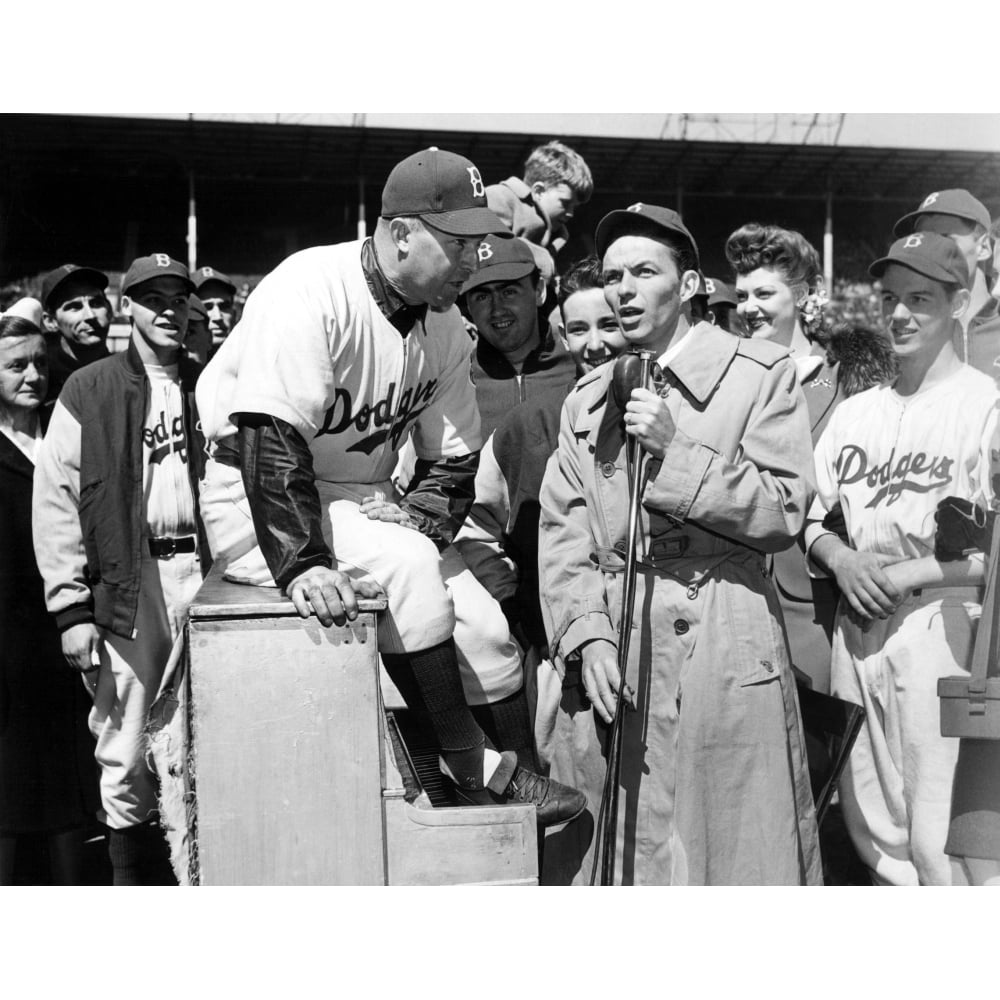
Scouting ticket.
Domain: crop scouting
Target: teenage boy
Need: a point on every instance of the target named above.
(556, 181)
(966, 221)
(119, 542)
(888, 457)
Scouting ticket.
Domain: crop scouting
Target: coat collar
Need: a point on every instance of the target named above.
(700, 366)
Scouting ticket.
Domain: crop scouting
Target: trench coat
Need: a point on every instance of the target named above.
(715, 785)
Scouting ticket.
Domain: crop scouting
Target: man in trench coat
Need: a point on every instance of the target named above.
(714, 781)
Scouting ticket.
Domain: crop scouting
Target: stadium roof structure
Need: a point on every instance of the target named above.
(128, 180)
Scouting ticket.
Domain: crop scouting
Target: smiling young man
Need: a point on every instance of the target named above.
(955, 213)
(342, 354)
(119, 542)
(516, 356)
(888, 457)
(715, 788)
(77, 317)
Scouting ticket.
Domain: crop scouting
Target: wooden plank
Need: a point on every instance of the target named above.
(468, 845)
(287, 778)
(219, 598)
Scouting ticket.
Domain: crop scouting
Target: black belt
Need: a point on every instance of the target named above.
(167, 546)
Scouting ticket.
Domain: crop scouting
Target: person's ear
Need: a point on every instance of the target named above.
(49, 324)
(960, 302)
(399, 232)
(541, 292)
(125, 306)
(690, 281)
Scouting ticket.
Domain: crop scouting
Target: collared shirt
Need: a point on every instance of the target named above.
(398, 312)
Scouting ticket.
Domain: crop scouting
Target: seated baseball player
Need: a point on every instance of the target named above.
(342, 353)
(217, 292)
(77, 318)
(120, 545)
(889, 456)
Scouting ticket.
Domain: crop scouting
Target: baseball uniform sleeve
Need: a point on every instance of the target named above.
(286, 342)
(55, 521)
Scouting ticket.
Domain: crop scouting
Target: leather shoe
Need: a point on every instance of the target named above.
(554, 802)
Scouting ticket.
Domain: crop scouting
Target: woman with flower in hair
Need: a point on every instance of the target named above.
(780, 294)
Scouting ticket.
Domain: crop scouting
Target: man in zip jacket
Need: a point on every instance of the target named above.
(119, 542)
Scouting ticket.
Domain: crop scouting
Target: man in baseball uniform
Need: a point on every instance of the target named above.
(957, 214)
(341, 354)
(217, 292)
(77, 318)
(119, 543)
(888, 457)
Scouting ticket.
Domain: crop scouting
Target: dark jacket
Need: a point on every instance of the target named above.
(499, 388)
(109, 399)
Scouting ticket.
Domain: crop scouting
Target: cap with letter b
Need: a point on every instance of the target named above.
(444, 189)
(954, 201)
(625, 220)
(155, 265)
(930, 254)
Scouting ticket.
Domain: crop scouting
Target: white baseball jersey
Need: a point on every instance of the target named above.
(314, 349)
(890, 459)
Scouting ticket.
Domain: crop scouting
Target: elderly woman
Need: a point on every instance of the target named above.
(714, 784)
(44, 759)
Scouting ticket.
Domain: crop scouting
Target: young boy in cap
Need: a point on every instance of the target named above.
(889, 456)
(516, 356)
(120, 545)
(342, 353)
(77, 316)
(957, 214)
(217, 292)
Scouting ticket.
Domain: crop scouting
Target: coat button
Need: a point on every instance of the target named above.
(608, 469)
(767, 665)
(681, 627)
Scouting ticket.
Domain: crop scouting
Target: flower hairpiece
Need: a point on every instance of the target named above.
(811, 309)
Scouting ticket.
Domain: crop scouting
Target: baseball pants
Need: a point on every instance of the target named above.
(896, 788)
(431, 595)
(127, 685)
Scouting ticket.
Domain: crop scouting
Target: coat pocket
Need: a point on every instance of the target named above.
(759, 671)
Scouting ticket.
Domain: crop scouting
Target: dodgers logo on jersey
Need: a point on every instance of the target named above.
(914, 472)
(478, 188)
(389, 423)
(162, 441)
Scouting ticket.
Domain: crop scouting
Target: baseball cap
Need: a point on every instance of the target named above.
(623, 219)
(445, 189)
(719, 293)
(54, 279)
(203, 275)
(155, 265)
(929, 254)
(196, 308)
(955, 201)
(502, 260)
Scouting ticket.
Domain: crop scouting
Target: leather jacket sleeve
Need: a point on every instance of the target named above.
(440, 496)
(278, 476)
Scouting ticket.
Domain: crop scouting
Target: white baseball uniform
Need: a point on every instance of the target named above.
(314, 349)
(889, 460)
